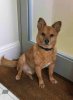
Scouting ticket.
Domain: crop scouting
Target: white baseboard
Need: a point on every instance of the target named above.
(65, 55)
(11, 50)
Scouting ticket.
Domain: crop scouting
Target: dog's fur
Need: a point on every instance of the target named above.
(40, 55)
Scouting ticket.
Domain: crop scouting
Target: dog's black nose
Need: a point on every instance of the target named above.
(46, 41)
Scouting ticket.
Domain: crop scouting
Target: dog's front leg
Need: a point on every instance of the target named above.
(39, 75)
(51, 70)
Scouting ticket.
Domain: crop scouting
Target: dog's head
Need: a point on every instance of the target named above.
(47, 35)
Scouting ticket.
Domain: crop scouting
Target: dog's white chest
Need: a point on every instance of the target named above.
(46, 65)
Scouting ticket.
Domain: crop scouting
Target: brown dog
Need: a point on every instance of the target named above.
(41, 54)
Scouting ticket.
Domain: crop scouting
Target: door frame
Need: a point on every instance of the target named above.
(24, 23)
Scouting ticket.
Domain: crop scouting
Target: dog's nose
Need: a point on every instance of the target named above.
(46, 41)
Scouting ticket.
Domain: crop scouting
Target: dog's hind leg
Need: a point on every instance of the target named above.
(18, 76)
(20, 65)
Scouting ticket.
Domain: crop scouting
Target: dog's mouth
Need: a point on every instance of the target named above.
(46, 45)
(45, 48)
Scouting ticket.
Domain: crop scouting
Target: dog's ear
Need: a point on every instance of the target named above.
(57, 25)
(41, 23)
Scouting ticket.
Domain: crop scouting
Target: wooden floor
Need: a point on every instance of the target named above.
(26, 89)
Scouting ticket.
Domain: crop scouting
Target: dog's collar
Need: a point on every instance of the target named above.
(46, 49)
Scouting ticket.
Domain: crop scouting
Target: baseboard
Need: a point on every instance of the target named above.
(11, 50)
(64, 66)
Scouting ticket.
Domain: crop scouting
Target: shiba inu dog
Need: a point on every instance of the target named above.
(42, 54)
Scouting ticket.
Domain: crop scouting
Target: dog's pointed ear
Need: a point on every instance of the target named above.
(41, 23)
(57, 25)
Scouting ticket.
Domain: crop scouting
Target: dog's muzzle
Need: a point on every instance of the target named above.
(46, 41)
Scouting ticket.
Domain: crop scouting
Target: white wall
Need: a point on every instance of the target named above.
(8, 26)
(63, 10)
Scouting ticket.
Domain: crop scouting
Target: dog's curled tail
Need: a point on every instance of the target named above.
(8, 63)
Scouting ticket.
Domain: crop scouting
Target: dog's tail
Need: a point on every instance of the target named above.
(8, 63)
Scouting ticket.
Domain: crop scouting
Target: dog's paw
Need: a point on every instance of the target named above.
(53, 81)
(42, 85)
(17, 77)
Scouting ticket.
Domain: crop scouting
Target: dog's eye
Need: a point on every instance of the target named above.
(43, 34)
(52, 35)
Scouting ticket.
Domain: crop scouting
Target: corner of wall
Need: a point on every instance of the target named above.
(11, 50)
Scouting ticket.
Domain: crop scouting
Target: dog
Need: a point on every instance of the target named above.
(42, 54)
